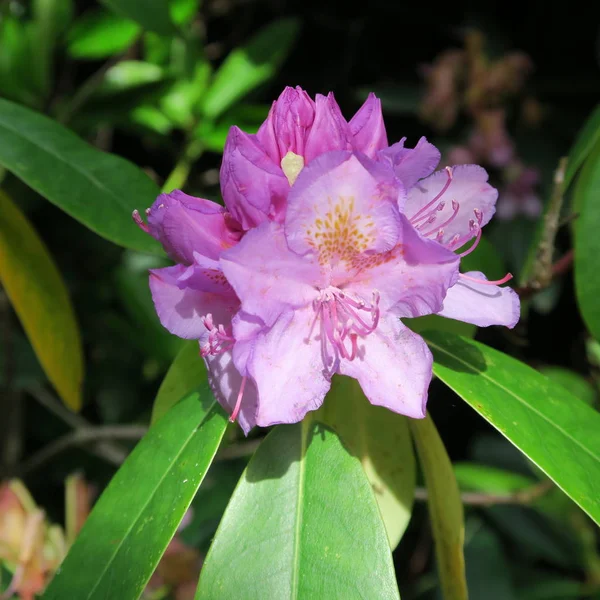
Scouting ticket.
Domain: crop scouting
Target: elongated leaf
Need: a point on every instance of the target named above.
(572, 382)
(555, 430)
(96, 188)
(152, 16)
(100, 34)
(585, 142)
(40, 298)
(492, 480)
(249, 66)
(186, 373)
(587, 242)
(445, 508)
(138, 514)
(302, 523)
(381, 441)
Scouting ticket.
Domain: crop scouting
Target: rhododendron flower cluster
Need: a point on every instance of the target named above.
(328, 238)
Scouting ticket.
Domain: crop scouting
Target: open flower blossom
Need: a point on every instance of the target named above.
(327, 239)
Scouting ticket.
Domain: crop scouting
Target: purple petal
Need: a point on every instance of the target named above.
(337, 207)
(468, 193)
(287, 125)
(412, 279)
(268, 278)
(184, 225)
(287, 369)
(368, 128)
(393, 367)
(411, 164)
(254, 188)
(226, 381)
(180, 308)
(329, 131)
(481, 304)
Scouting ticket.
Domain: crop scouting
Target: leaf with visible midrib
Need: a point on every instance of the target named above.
(98, 189)
(131, 525)
(302, 523)
(41, 300)
(553, 428)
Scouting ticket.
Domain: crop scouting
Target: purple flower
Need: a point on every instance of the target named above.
(258, 170)
(323, 293)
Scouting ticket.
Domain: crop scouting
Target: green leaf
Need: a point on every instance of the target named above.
(381, 441)
(100, 34)
(585, 142)
(302, 523)
(152, 16)
(445, 508)
(555, 430)
(40, 299)
(183, 11)
(186, 373)
(484, 258)
(587, 242)
(248, 67)
(491, 480)
(98, 189)
(438, 323)
(129, 74)
(572, 382)
(138, 514)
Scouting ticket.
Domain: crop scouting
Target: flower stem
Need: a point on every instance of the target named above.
(180, 173)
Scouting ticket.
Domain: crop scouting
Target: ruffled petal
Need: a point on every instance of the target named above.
(254, 188)
(481, 304)
(339, 206)
(184, 224)
(393, 367)
(225, 381)
(368, 128)
(287, 369)
(411, 164)
(329, 131)
(467, 193)
(268, 278)
(181, 307)
(412, 278)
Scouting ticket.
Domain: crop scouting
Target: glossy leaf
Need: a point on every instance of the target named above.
(138, 514)
(584, 144)
(186, 373)
(302, 523)
(445, 508)
(152, 16)
(41, 300)
(99, 189)
(381, 441)
(555, 430)
(249, 66)
(587, 242)
(100, 34)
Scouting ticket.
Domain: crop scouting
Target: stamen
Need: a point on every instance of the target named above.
(437, 208)
(219, 338)
(506, 278)
(477, 240)
(139, 221)
(238, 402)
(432, 202)
(455, 208)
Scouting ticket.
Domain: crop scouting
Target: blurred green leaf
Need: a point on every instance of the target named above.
(556, 431)
(100, 34)
(491, 480)
(138, 514)
(41, 300)
(573, 382)
(445, 508)
(586, 140)
(183, 11)
(247, 67)
(484, 258)
(152, 16)
(381, 441)
(98, 189)
(302, 523)
(587, 242)
(186, 373)
(128, 74)
(150, 117)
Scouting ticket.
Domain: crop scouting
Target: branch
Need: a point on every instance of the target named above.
(524, 497)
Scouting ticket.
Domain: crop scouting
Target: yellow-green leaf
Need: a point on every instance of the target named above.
(445, 508)
(40, 299)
